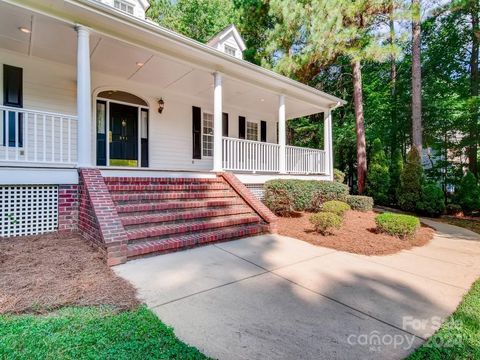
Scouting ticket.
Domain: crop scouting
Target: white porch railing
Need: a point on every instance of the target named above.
(37, 136)
(305, 161)
(255, 156)
(247, 155)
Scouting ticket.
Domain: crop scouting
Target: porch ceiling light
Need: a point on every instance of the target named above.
(24, 30)
(161, 105)
(262, 100)
(140, 64)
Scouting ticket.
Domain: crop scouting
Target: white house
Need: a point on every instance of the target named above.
(92, 84)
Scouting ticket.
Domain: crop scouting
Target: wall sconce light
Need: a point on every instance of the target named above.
(161, 105)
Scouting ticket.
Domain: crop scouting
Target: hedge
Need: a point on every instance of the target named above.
(360, 203)
(302, 191)
(397, 224)
(323, 222)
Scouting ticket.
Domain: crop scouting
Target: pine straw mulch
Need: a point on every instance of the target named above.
(357, 235)
(41, 273)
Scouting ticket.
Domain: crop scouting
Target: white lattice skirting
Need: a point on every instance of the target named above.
(257, 190)
(28, 210)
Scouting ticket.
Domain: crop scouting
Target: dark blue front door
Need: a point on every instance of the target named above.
(124, 135)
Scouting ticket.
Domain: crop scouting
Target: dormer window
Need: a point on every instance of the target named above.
(230, 50)
(123, 6)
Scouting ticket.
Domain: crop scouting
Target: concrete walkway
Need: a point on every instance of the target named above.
(273, 297)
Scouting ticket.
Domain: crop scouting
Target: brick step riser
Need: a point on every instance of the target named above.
(161, 181)
(143, 208)
(185, 242)
(180, 217)
(152, 233)
(130, 198)
(178, 211)
(120, 189)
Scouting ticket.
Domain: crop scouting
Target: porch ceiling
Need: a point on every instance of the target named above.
(54, 40)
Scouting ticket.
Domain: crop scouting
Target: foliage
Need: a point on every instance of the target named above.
(432, 201)
(279, 201)
(302, 191)
(453, 209)
(338, 176)
(395, 170)
(461, 332)
(360, 203)
(378, 176)
(410, 190)
(91, 333)
(399, 225)
(324, 222)
(197, 19)
(336, 207)
(468, 196)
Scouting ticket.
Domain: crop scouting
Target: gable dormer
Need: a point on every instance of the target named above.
(229, 41)
(135, 8)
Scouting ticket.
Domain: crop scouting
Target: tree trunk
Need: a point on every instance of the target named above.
(393, 88)
(474, 111)
(416, 78)
(360, 126)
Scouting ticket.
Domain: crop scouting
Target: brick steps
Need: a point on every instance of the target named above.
(176, 205)
(164, 214)
(181, 228)
(182, 215)
(136, 197)
(186, 241)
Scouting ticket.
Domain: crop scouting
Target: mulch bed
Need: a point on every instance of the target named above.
(358, 234)
(41, 273)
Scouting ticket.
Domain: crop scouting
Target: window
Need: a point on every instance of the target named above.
(207, 143)
(13, 97)
(230, 50)
(123, 6)
(252, 131)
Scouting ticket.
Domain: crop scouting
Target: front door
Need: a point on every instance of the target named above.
(123, 135)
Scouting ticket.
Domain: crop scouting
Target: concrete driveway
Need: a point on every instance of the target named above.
(273, 297)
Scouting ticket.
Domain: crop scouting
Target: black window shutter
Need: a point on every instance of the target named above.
(12, 86)
(197, 132)
(225, 124)
(263, 131)
(241, 127)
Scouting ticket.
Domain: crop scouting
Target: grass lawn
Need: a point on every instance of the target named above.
(459, 337)
(91, 333)
(470, 224)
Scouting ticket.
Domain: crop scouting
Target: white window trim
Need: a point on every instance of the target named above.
(213, 129)
(225, 46)
(127, 5)
(258, 129)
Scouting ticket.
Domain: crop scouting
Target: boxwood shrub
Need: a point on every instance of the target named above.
(400, 225)
(302, 191)
(360, 203)
(280, 201)
(323, 222)
(335, 207)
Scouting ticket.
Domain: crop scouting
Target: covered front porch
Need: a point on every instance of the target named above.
(105, 101)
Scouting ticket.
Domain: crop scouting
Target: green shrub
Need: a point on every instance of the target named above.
(338, 176)
(453, 209)
(360, 203)
(378, 176)
(432, 202)
(396, 169)
(410, 190)
(279, 201)
(302, 191)
(468, 196)
(397, 224)
(323, 222)
(335, 207)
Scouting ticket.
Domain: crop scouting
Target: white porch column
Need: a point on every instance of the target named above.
(84, 106)
(217, 122)
(282, 137)
(328, 143)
